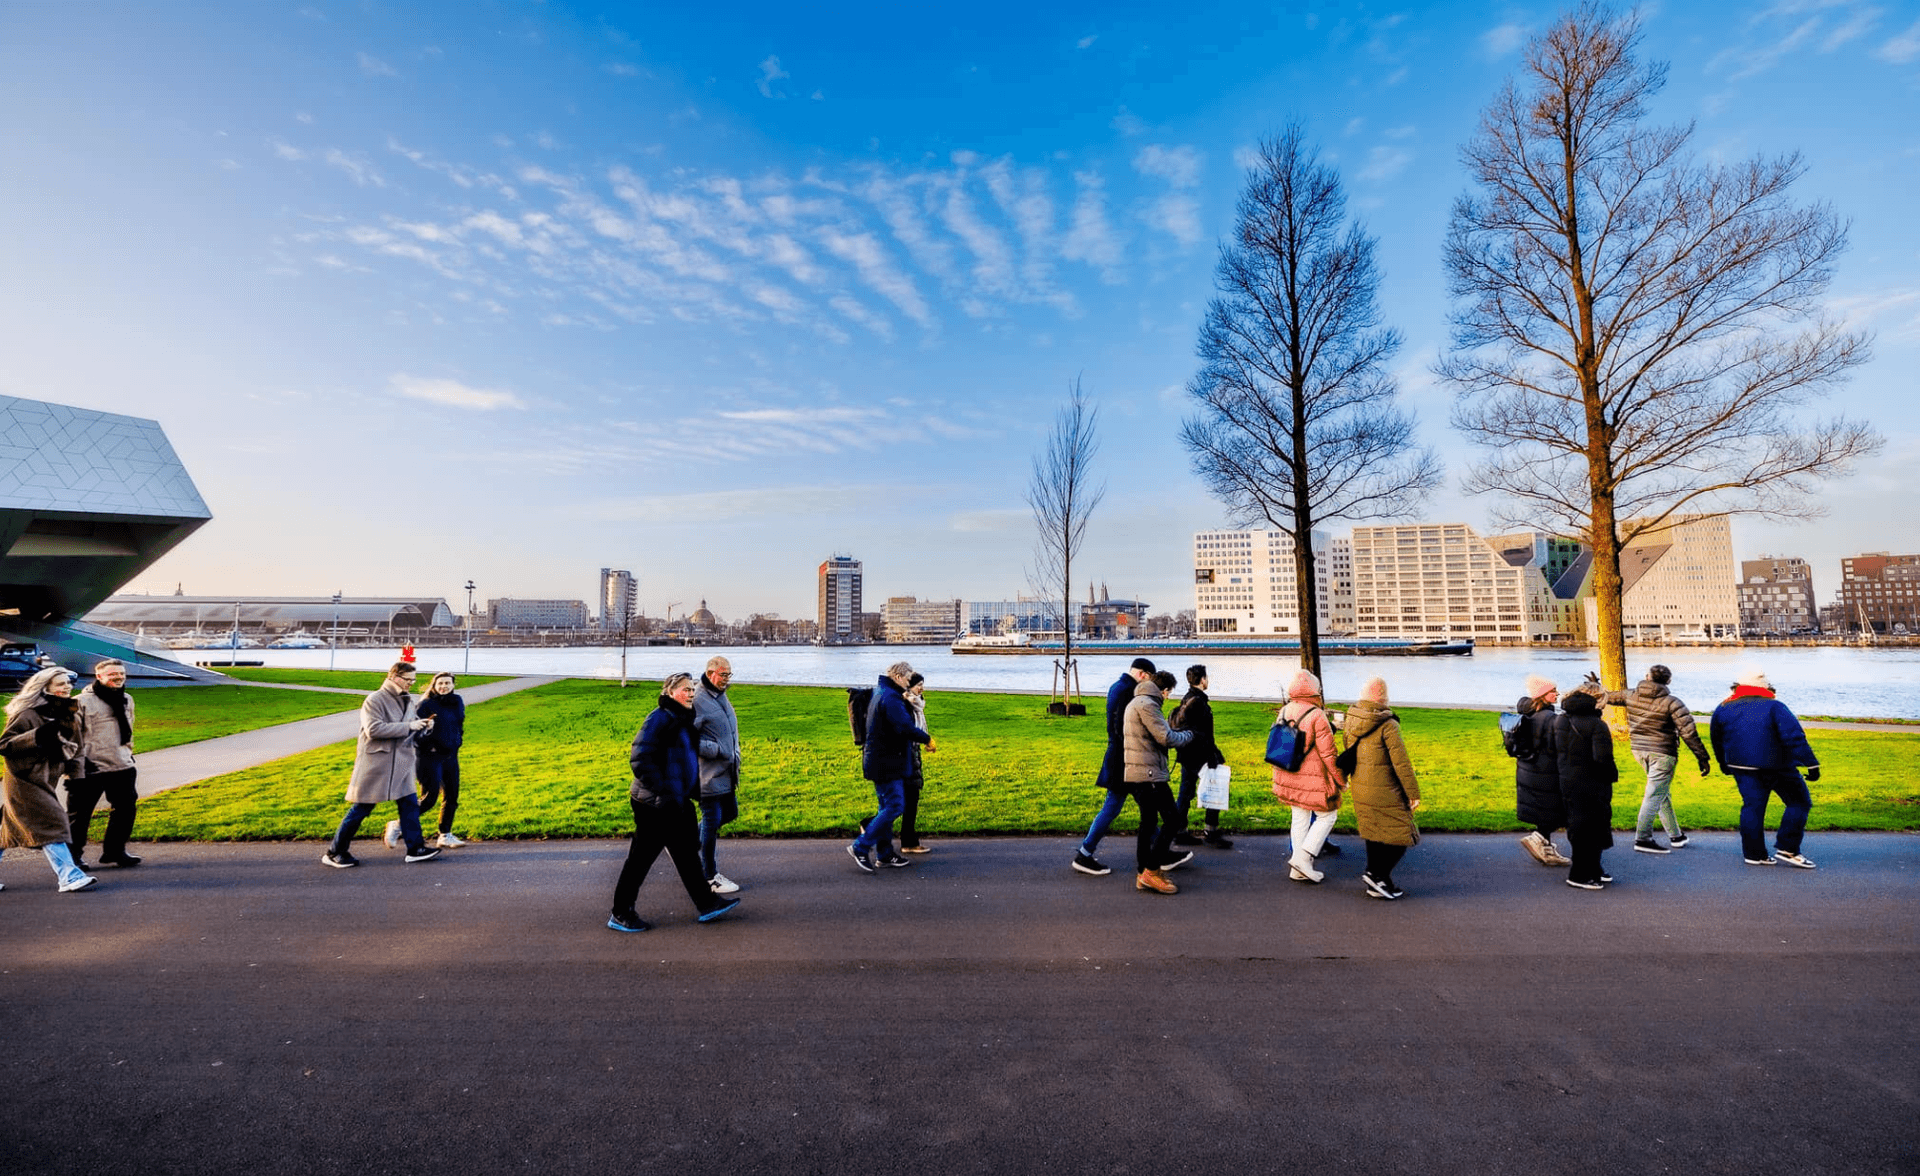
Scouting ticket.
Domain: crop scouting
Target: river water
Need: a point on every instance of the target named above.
(1824, 680)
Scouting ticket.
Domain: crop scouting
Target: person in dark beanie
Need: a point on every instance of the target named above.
(106, 744)
(916, 697)
(665, 760)
(1760, 743)
(886, 760)
(437, 757)
(1195, 714)
(383, 763)
(1113, 767)
(1657, 724)
(1583, 747)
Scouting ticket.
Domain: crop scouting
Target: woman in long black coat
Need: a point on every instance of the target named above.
(1536, 775)
(1587, 774)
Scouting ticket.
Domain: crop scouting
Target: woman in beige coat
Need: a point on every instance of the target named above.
(1385, 790)
(383, 762)
(1313, 792)
(41, 745)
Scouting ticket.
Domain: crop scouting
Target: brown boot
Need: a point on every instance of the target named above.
(1155, 880)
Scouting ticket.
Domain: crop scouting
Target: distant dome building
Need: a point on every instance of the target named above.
(702, 619)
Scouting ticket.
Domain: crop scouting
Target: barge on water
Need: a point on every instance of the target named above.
(1217, 647)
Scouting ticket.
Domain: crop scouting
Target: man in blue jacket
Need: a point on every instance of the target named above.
(1760, 744)
(887, 760)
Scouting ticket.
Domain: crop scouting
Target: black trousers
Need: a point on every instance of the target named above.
(1159, 821)
(83, 794)
(1382, 858)
(676, 829)
(910, 811)
(437, 774)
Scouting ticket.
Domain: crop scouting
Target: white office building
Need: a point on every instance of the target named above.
(1244, 583)
(1444, 581)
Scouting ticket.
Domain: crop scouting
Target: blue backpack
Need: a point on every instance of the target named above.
(1287, 744)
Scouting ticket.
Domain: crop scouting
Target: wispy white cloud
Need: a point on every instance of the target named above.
(770, 72)
(1384, 163)
(713, 506)
(1087, 41)
(1128, 123)
(1503, 39)
(1176, 215)
(1903, 47)
(287, 151)
(864, 252)
(373, 67)
(357, 168)
(1090, 237)
(622, 69)
(1178, 166)
(454, 394)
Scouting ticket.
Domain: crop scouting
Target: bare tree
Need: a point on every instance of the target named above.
(1296, 423)
(1632, 327)
(1062, 495)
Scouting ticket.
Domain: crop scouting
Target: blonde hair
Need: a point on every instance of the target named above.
(673, 683)
(35, 690)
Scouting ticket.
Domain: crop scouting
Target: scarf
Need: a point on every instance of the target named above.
(116, 699)
(1749, 692)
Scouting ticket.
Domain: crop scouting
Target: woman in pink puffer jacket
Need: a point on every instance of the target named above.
(1314, 791)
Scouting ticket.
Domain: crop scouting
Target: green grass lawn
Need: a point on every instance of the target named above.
(552, 762)
(187, 714)
(363, 680)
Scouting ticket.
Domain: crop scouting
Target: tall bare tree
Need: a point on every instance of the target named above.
(1062, 494)
(1632, 327)
(1296, 422)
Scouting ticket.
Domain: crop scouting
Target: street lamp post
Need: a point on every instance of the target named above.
(468, 663)
(333, 646)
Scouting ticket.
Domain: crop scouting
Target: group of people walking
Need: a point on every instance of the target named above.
(685, 774)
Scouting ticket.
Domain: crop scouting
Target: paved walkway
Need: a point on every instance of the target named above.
(172, 767)
(242, 1008)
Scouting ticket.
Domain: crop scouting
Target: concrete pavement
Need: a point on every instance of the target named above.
(243, 1008)
(172, 767)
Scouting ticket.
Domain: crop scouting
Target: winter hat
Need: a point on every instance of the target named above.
(1539, 687)
(1303, 685)
(1144, 665)
(1754, 676)
(1374, 690)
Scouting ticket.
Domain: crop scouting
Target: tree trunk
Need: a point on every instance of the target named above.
(1306, 601)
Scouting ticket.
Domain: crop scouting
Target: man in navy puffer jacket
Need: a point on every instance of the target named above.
(887, 760)
(1760, 744)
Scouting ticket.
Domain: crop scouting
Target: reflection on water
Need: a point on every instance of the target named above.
(1813, 681)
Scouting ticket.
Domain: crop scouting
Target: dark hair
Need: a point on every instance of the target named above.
(402, 667)
(1142, 664)
(1164, 680)
(1659, 675)
(916, 679)
(1194, 674)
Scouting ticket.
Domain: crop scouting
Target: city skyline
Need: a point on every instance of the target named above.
(450, 293)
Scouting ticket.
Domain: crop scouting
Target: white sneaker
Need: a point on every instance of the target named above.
(1537, 847)
(449, 841)
(1302, 867)
(721, 884)
(80, 883)
(393, 835)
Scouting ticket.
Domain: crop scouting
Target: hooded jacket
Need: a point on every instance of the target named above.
(1383, 782)
(1536, 777)
(1148, 736)
(1657, 722)
(1587, 771)
(1316, 786)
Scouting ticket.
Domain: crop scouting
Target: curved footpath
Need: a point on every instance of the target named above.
(239, 1007)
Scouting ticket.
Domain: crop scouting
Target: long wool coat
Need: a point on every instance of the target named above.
(1383, 782)
(31, 815)
(1316, 786)
(383, 755)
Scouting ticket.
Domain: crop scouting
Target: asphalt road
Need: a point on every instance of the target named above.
(241, 1008)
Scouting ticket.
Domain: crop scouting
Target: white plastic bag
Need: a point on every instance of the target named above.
(1213, 787)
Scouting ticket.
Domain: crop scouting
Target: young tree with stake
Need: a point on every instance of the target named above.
(1062, 495)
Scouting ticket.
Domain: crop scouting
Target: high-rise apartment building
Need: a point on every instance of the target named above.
(1881, 592)
(910, 621)
(618, 600)
(1776, 596)
(1678, 583)
(1444, 580)
(840, 600)
(1243, 582)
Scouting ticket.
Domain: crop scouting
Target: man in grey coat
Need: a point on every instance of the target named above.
(1657, 723)
(383, 761)
(106, 746)
(717, 729)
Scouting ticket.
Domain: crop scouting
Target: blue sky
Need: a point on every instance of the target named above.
(426, 292)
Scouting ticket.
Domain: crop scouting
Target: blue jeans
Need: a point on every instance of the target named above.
(61, 859)
(1756, 788)
(1102, 821)
(892, 798)
(409, 806)
(1658, 801)
(715, 811)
